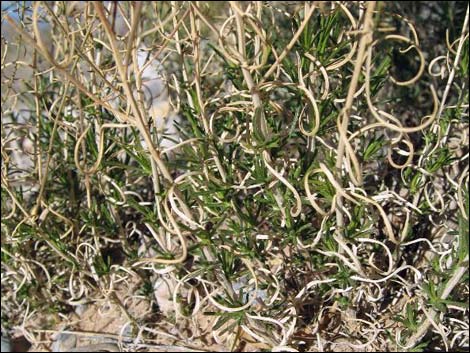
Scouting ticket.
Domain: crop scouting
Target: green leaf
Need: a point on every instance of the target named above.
(221, 321)
(416, 183)
(260, 130)
(420, 347)
(372, 148)
(463, 305)
(463, 238)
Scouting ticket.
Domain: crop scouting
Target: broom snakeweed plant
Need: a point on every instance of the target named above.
(262, 176)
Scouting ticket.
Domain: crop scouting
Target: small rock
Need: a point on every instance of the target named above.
(6, 344)
(64, 342)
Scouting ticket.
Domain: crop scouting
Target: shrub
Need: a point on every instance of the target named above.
(295, 172)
